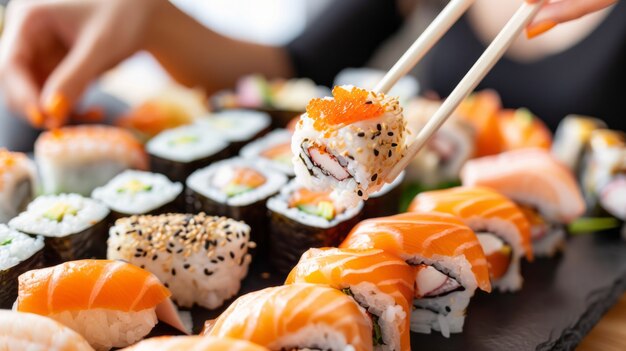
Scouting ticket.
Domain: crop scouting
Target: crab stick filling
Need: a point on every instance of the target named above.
(317, 203)
(431, 282)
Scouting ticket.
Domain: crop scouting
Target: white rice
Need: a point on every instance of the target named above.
(254, 149)
(315, 336)
(206, 142)
(236, 125)
(16, 247)
(33, 221)
(551, 243)
(280, 204)
(389, 186)
(201, 181)
(105, 329)
(162, 191)
(17, 186)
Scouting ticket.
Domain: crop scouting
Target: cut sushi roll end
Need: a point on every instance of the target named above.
(349, 142)
(196, 343)
(17, 183)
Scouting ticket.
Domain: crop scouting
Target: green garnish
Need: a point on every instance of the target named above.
(184, 140)
(59, 211)
(236, 189)
(284, 159)
(6, 242)
(348, 292)
(134, 186)
(590, 225)
(524, 116)
(323, 209)
(377, 334)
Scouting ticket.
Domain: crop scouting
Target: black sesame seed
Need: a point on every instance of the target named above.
(368, 102)
(119, 248)
(379, 127)
(179, 251)
(390, 133)
(171, 244)
(166, 285)
(221, 258)
(207, 272)
(389, 154)
(168, 250)
(361, 134)
(232, 255)
(137, 255)
(448, 309)
(375, 152)
(142, 267)
(186, 266)
(242, 246)
(214, 261)
(207, 244)
(154, 258)
(360, 193)
(173, 271)
(374, 177)
(394, 144)
(227, 226)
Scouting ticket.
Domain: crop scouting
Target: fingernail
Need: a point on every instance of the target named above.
(56, 109)
(35, 116)
(539, 28)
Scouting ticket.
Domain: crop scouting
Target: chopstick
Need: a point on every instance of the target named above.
(431, 35)
(485, 63)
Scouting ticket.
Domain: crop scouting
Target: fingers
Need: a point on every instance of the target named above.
(556, 12)
(23, 94)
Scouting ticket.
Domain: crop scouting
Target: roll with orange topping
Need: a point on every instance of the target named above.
(17, 183)
(349, 142)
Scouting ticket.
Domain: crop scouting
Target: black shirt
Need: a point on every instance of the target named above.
(588, 78)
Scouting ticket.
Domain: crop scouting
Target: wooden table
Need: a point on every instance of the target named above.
(610, 333)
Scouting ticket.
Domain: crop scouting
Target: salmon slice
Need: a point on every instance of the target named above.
(27, 331)
(270, 316)
(429, 235)
(476, 205)
(195, 343)
(520, 129)
(481, 110)
(89, 284)
(530, 177)
(304, 196)
(248, 177)
(344, 268)
(278, 151)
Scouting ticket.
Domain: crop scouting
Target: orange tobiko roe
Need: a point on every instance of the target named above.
(347, 107)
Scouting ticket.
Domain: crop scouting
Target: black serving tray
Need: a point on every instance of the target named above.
(562, 299)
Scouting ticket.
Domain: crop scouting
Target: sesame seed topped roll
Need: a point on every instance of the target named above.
(201, 259)
(349, 142)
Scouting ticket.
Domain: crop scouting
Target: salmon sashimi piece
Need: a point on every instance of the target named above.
(89, 284)
(429, 235)
(27, 331)
(86, 140)
(476, 204)
(279, 317)
(520, 129)
(529, 177)
(481, 111)
(347, 268)
(195, 343)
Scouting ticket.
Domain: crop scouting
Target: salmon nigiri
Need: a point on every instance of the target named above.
(27, 331)
(481, 111)
(449, 263)
(545, 190)
(379, 282)
(195, 343)
(501, 227)
(520, 129)
(297, 316)
(110, 303)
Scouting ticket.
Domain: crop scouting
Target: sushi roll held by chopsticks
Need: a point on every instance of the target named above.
(17, 183)
(349, 142)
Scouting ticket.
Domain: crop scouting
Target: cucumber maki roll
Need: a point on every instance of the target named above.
(137, 193)
(275, 148)
(19, 253)
(238, 189)
(73, 226)
(301, 219)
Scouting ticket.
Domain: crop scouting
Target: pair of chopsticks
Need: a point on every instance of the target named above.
(444, 21)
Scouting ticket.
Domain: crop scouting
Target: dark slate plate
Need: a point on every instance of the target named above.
(562, 299)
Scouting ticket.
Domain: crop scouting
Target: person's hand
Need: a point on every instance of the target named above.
(52, 49)
(560, 11)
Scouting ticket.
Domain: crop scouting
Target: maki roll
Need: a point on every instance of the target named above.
(201, 259)
(194, 343)
(349, 142)
(78, 159)
(238, 127)
(449, 264)
(138, 192)
(179, 152)
(571, 139)
(28, 331)
(275, 148)
(296, 317)
(501, 228)
(380, 283)
(17, 183)
(109, 303)
(440, 160)
(238, 189)
(520, 129)
(386, 201)
(303, 218)
(544, 189)
(18, 253)
(73, 226)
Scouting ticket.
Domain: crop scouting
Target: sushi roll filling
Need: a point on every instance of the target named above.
(431, 282)
(539, 226)
(327, 163)
(314, 203)
(134, 186)
(59, 211)
(499, 254)
(377, 334)
(237, 180)
(279, 153)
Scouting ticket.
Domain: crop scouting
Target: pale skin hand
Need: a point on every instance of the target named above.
(52, 49)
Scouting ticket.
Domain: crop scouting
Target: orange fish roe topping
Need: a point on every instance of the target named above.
(8, 159)
(347, 107)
